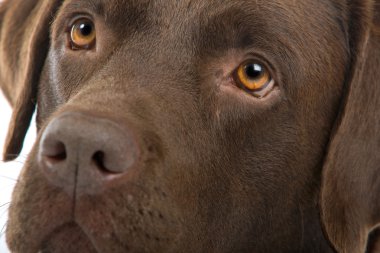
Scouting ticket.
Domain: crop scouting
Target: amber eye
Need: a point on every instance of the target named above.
(83, 34)
(255, 78)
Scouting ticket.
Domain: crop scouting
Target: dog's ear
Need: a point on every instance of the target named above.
(350, 197)
(24, 43)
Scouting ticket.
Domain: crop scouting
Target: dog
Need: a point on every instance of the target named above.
(194, 126)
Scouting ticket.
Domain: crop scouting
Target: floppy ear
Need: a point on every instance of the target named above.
(350, 197)
(24, 43)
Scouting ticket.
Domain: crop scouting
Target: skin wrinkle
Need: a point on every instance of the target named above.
(219, 170)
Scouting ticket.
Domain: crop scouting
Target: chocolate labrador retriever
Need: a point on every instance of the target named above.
(194, 126)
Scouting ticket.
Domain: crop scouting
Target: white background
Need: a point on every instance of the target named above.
(9, 171)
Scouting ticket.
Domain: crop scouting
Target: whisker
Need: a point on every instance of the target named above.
(9, 178)
(2, 232)
(4, 213)
(8, 203)
(19, 162)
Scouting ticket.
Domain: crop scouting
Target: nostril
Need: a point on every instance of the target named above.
(98, 158)
(56, 152)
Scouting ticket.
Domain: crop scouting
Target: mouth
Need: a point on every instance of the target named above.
(121, 219)
(68, 238)
(52, 227)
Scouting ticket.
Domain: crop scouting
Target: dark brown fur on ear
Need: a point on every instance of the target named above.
(350, 199)
(24, 43)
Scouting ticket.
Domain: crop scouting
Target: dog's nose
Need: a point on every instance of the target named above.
(86, 153)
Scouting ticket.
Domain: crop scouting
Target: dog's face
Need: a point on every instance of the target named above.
(179, 126)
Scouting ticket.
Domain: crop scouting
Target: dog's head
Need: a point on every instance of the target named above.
(193, 126)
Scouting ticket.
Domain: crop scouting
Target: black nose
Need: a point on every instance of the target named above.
(86, 153)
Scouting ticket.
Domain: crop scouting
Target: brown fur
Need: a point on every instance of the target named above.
(220, 171)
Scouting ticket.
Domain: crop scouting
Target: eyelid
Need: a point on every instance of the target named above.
(75, 17)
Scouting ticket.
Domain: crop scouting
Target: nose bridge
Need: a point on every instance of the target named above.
(162, 52)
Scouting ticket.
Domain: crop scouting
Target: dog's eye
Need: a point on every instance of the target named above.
(83, 34)
(254, 78)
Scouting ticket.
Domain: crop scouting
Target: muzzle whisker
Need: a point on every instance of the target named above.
(3, 205)
(10, 179)
(2, 232)
(4, 213)
(19, 162)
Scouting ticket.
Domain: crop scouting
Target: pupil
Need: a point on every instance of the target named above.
(253, 71)
(85, 29)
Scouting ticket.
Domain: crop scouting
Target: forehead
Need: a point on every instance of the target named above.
(228, 23)
(184, 32)
(198, 10)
